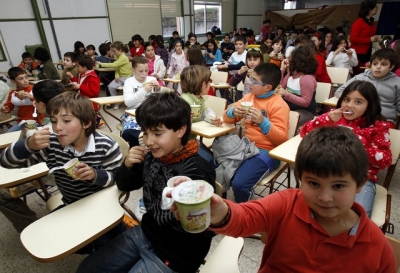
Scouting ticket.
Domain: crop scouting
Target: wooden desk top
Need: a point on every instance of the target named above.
(63, 232)
(131, 112)
(13, 177)
(173, 80)
(331, 102)
(108, 100)
(35, 82)
(220, 85)
(7, 138)
(104, 69)
(208, 130)
(287, 151)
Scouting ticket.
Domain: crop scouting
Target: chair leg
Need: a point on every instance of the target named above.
(389, 176)
(387, 216)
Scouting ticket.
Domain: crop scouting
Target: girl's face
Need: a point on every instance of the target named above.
(279, 32)
(277, 47)
(151, 41)
(136, 43)
(178, 48)
(328, 37)
(355, 104)
(192, 40)
(268, 42)
(210, 46)
(316, 41)
(253, 62)
(343, 44)
(149, 52)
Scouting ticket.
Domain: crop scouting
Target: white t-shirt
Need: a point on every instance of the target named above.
(237, 58)
(134, 92)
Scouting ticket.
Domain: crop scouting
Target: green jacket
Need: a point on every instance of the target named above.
(123, 68)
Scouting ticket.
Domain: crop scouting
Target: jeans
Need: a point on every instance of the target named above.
(15, 127)
(366, 197)
(128, 252)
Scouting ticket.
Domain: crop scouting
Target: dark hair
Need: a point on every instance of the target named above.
(240, 39)
(365, 8)
(77, 45)
(72, 56)
(212, 41)
(277, 40)
(254, 53)
(321, 38)
(178, 41)
(267, 21)
(386, 41)
(175, 32)
(227, 34)
(187, 43)
(311, 45)
(368, 91)
(302, 39)
(269, 73)
(139, 59)
(195, 56)
(44, 91)
(41, 54)
(159, 41)
(303, 60)
(86, 61)
(385, 54)
(26, 55)
(14, 72)
(77, 105)
(332, 151)
(167, 109)
(103, 48)
(137, 37)
(396, 48)
(146, 45)
(211, 34)
(152, 37)
(90, 47)
(193, 77)
(336, 42)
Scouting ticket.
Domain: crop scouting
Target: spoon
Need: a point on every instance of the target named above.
(55, 169)
(34, 113)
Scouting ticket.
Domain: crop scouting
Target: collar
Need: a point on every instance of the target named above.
(190, 149)
(266, 95)
(90, 147)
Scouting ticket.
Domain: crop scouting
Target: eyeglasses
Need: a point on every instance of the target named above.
(252, 81)
(254, 49)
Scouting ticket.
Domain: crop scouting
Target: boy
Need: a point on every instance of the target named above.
(267, 123)
(227, 47)
(27, 63)
(105, 77)
(319, 227)
(21, 98)
(159, 244)
(46, 69)
(238, 58)
(87, 82)
(386, 82)
(73, 120)
(70, 70)
(91, 52)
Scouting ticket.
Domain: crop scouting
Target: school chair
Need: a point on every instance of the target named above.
(219, 77)
(6, 122)
(395, 148)
(396, 249)
(269, 180)
(322, 92)
(338, 75)
(381, 209)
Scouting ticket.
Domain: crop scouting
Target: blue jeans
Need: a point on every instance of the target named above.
(15, 127)
(366, 197)
(248, 174)
(128, 252)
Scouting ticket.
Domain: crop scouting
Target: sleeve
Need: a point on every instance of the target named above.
(160, 68)
(330, 58)
(356, 30)
(236, 79)
(307, 86)
(8, 102)
(218, 56)
(266, 58)
(16, 155)
(285, 80)
(92, 88)
(129, 179)
(119, 62)
(339, 91)
(279, 123)
(46, 73)
(236, 66)
(226, 118)
(172, 65)
(132, 98)
(110, 163)
(353, 60)
(319, 121)
(378, 148)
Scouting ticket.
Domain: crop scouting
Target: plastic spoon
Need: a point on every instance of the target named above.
(34, 113)
(55, 169)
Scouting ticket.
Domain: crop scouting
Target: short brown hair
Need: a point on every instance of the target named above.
(118, 45)
(79, 106)
(139, 60)
(193, 77)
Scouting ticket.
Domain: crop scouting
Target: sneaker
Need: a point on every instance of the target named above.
(140, 209)
(116, 106)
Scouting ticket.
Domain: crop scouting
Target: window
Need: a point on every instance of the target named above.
(206, 16)
(290, 4)
(171, 17)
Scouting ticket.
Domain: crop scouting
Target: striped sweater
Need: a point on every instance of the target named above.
(105, 161)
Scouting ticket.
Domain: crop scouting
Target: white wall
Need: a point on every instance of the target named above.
(250, 14)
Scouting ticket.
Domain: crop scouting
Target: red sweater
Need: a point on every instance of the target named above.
(322, 74)
(137, 53)
(360, 36)
(375, 138)
(90, 85)
(298, 243)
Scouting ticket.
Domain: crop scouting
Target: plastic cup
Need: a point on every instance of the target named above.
(167, 202)
(170, 182)
(196, 110)
(192, 199)
(246, 105)
(97, 66)
(30, 124)
(70, 167)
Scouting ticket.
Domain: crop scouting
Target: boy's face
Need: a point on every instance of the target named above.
(81, 69)
(380, 68)
(69, 128)
(141, 71)
(239, 46)
(28, 61)
(257, 87)
(330, 198)
(68, 63)
(21, 81)
(162, 141)
(175, 36)
(136, 43)
(226, 39)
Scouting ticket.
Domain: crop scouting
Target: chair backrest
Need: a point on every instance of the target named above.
(293, 123)
(240, 86)
(396, 248)
(322, 92)
(219, 76)
(394, 144)
(338, 75)
(123, 145)
(217, 104)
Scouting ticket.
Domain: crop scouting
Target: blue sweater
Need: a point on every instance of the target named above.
(217, 57)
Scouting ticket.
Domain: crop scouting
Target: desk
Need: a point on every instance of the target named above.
(35, 82)
(63, 232)
(286, 151)
(108, 100)
(7, 138)
(208, 130)
(131, 112)
(173, 80)
(331, 102)
(14, 177)
(225, 85)
(104, 69)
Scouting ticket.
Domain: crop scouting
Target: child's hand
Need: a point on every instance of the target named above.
(116, 79)
(243, 69)
(155, 84)
(336, 115)
(211, 55)
(239, 112)
(155, 75)
(39, 140)
(98, 63)
(69, 74)
(273, 54)
(280, 91)
(374, 38)
(135, 155)
(284, 64)
(147, 87)
(255, 115)
(217, 121)
(222, 66)
(5, 109)
(75, 86)
(84, 172)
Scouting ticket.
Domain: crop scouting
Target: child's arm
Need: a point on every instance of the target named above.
(160, 73)
(8, 106)
(129, 174)
(307, 86)
(353, 58)
(320, 121)
(133, 97)
(238, 76)
(275, 126)
(90, 87)
(171, 67)
(378, 146)
(217, 56)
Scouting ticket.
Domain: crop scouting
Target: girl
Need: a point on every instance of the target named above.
(319, 45)
(212, 54)
(137, 48)
(79, 48)
(341, 55)
(195, 56)
(178, 63)
(359, 109)
(328, 42)
(321, 75)
(161, 50)
(253, 58)
(298, 86)
(275, 54)
(265, 48)
(192, 40)
(156, 64)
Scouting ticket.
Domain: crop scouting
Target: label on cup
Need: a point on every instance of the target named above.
(70, 167)
(166, 202)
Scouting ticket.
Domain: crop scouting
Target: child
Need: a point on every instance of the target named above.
(298, 86)
(46, 69)
(27, 63)
(386, 82)
(137, 48)
(192, 40)
(238, 58)
(105, 77)
(159, 244)
(70, 61)
(319, 226)
(21, 97)
(341, 55)
(91, 52)
(156, 64)
(212, 53)
(253, 58)
(267, 123)
(73, 119)
(316, 38)
(178, 63)
(79, 48)
(87, 82)
(227, 47)
(359, 108)
(136, 89)
(396, 47)
(161, 50)
(122, 67)
(276, 55)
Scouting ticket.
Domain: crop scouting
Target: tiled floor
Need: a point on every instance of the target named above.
(14, 258)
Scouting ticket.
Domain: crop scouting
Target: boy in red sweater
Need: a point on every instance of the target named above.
(87, 82)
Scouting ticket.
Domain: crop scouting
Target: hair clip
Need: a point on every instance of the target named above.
(254, 48)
